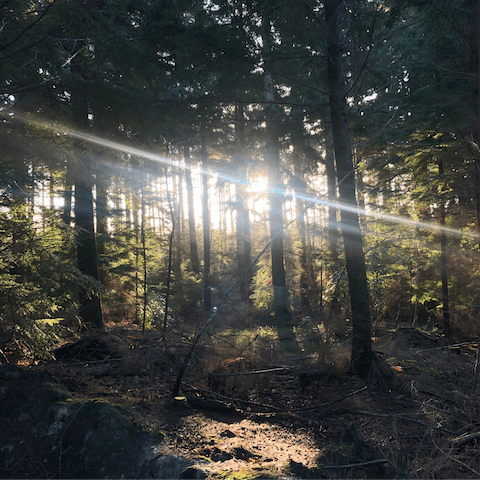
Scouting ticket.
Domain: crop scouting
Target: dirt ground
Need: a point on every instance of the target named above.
(276, 416)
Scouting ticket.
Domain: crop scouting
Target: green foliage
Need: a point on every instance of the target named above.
(262, 296)
(37, 276)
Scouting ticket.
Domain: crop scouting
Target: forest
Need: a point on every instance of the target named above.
(235, 186)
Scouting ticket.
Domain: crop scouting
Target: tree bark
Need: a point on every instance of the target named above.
(272, 159)
(178, 244)
(242, 218)
(362, 355)
(444, 262)
(195, 262)
(90, 308)
(207, 293)
(67, 198)
(302, 232)
(331, 194)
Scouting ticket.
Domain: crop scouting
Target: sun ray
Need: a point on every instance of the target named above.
(258, 184)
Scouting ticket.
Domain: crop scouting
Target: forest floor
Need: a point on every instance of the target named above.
(269, 405)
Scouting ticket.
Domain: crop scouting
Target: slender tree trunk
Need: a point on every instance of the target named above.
(247, 242)
(144, 249)
(476, 134)
(331, 194)
(170, 252)
(137, 253)
(191, 213)
(102, 217)
(444, 262)
(207, 293)
(272, 158)
(178, 247)
(242, 219)
(302, 232)
(90, 307)
(51, 189)
(362, 354)
(359, 183)
(67, 197)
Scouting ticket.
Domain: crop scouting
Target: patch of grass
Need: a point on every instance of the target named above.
(243, 474)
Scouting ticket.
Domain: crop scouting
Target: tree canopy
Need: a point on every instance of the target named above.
(130, 130)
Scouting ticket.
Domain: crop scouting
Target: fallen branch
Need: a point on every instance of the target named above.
(77, 364)
(351, 394)
(453, 345)
(455, 460)
(213, 405)
(465, 438)
(233, 400)
(361, 464)
(256, 372)
(438, 409)
(401, 417)
(412, 402)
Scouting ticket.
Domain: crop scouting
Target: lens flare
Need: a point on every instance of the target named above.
(259, 184)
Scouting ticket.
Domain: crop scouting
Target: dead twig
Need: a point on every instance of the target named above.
(465, 438)
(256, 372)
(475, 370)
(4, 356)
(441, 410)
(351, 394)
(233, 400)
(86, 363)
(455, 459)
(401, 417)
(453, 345)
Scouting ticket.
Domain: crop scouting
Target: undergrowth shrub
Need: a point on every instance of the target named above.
(38, 279)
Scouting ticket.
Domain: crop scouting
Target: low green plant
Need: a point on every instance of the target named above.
(38, 278)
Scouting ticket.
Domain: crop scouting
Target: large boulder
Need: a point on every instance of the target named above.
(48, 433)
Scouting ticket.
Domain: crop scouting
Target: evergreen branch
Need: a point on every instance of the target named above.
(27, 28)
(257, 65)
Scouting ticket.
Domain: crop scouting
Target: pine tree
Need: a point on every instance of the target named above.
(362, 354)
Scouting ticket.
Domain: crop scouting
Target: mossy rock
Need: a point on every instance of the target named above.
(49, 432)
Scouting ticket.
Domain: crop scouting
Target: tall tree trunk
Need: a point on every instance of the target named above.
(362, 355)
(51, 189)
(302, 232)
(272, 158)
(191, 213)
(170, 251)
(137, 253)
(67, 196)
(444, 261)
(102, 217)
(178, 247)
(242, 218)
(144, 247)
(207, 293)
(331, 194)
(90, 309)
(472, 37)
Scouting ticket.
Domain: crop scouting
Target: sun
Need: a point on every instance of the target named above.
(258, 185)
